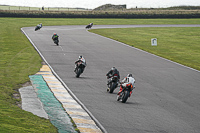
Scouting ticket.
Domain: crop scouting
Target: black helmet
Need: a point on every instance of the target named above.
(129, 75)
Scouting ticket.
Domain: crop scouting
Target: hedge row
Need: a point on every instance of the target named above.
(102, 14)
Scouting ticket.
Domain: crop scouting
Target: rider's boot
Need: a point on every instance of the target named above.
(130, 93)
(120, 90)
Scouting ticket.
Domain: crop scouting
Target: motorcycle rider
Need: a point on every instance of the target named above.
(55, 36)
(91, 24)
(111, 73)
(80, 59)
(40, 25)
(126, 81)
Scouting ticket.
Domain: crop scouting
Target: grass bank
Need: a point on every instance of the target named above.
(19, 59)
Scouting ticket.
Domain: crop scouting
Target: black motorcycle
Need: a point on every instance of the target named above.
(79, 68)
(112, 83)
(56, 41)
(89, 26)
(123, 96)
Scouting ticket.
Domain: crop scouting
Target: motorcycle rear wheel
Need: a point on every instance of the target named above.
(78, 72)
(112, 87)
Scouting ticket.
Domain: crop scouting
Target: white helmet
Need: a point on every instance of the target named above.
(80, 56)
(113, 68)
(129, 75)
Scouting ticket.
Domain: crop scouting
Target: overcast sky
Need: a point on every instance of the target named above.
(91, 4)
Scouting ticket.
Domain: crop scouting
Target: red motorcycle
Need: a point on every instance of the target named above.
(125, 93)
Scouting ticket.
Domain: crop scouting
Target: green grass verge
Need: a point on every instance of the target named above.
(177, 44)
(19, 59)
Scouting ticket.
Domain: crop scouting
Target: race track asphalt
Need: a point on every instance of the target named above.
(167, 95)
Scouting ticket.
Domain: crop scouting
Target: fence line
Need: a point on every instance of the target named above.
(42, 8)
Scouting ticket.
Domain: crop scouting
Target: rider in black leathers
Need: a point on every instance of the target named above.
(111, 73)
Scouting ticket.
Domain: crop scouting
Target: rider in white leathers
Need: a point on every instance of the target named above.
(127, 80)
(80, 59)
(39, 25)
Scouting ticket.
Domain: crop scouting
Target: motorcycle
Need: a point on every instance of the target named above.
(123, 96)
(38, 27)
(89, 26)
(113, 83)
(79, 68)
(56, 41)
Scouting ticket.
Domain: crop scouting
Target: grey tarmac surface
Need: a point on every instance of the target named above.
(166, 98)
(31, 103)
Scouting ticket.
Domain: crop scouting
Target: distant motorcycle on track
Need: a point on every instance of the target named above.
(55, 39)
(38, 27)
(89, 26)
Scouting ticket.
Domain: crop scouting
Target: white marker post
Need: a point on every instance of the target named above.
(154, 42)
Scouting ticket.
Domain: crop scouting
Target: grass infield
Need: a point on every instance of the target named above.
(18, 58)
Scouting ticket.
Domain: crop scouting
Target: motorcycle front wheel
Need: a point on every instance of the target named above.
(36, 28)
(118, 97)
(125, 96)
